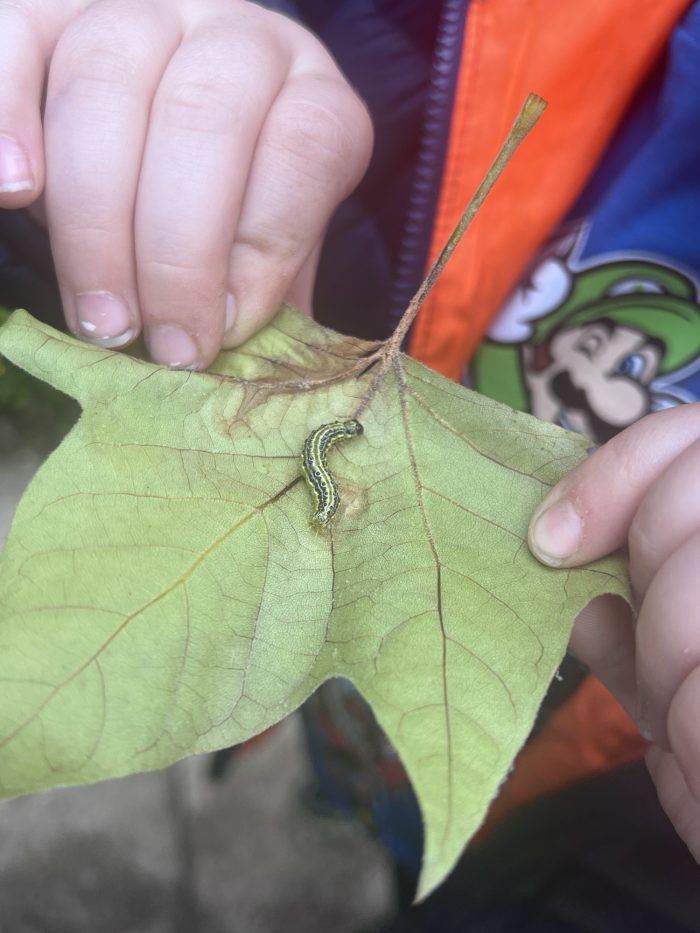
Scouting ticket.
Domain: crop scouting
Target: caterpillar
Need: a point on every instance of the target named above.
(314, 466)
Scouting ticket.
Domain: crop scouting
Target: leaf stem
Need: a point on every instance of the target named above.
(531, 111)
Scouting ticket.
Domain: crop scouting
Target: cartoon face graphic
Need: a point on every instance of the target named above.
(593, 378)
(593, 349)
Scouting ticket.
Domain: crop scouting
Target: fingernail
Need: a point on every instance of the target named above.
(104, 318)
(173, 346)
(15, 170)
(556, 534)
(230, 312)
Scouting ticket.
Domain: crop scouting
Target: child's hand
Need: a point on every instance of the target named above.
(643, 489)
(191, 150)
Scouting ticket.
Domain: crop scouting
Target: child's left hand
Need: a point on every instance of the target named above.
(642, 489)
(189, 156)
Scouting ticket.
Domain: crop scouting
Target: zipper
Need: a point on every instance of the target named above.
(422, 201)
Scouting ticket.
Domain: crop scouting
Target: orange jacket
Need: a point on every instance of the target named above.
(588, 60)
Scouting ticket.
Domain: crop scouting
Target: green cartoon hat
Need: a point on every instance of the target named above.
(645, 296)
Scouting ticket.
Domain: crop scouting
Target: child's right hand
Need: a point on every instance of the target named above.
(641, 491)
(191, 154)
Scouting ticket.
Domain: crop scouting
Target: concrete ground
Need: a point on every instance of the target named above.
(174, 852)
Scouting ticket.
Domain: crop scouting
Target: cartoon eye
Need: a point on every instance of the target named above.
(632, 286)
(632, 366)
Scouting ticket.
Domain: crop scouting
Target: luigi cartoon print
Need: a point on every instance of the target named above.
(595, 347)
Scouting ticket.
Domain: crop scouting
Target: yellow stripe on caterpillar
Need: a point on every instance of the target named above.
(314, 467)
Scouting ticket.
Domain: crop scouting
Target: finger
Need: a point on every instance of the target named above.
(668, 516)
(589, 513)
(206, 118)
(28, 32)
(668, 636)
(603, 638)
(682, 808)
(98, 101)
(313, 150)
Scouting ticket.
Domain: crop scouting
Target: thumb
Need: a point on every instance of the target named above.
(588, 514)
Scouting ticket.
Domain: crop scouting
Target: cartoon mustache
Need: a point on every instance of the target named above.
(573, 397)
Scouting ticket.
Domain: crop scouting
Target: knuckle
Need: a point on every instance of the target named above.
(97, 229)
(89, 216)
(221, 78)
(91, 75)
(176, 266)
(264, 242)
(170, 266)
(332, 143)
(199, 105)
(179, 283)
(96, 51)
(178, 289)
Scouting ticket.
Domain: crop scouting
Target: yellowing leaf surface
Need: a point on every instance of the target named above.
(163, 592)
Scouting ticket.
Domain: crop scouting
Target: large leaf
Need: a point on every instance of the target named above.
(163, 591)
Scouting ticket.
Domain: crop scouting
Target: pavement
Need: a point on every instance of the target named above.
(173, 851)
